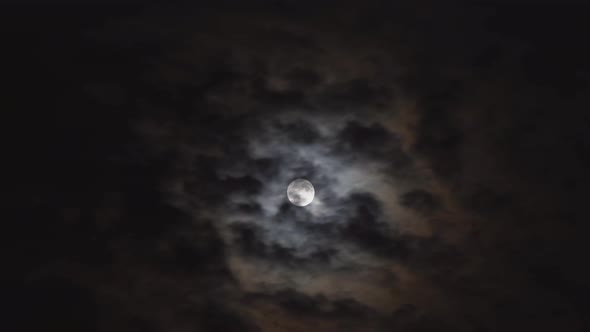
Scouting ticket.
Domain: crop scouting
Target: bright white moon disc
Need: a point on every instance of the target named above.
(300, 192)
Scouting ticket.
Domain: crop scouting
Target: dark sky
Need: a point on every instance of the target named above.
(148, 150)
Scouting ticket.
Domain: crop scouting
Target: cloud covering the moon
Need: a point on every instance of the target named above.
(446, 197)
(300, 192)
(375, 222)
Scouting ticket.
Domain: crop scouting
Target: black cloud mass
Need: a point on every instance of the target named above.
(149, 150)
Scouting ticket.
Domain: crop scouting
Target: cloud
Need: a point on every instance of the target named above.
(449, 189)
(216, 317)
(303, 119)
(251, 242)
(421, 201)
(304, 305)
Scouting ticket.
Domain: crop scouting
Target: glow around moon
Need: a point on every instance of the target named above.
(300, 192)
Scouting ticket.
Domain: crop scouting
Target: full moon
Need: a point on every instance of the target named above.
(300, 192)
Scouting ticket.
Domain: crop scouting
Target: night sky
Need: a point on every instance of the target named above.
(148, 150)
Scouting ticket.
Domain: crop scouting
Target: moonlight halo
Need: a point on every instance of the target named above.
(300, 192)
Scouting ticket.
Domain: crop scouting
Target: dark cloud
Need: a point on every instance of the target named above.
(421, 201)
(439, 139)
(303, 78)
(373, 140)
(251, 242)
(358, 93)
(216, 317)
(303, 305)
(299, 132)
(367, 228)
(151, 149)
(486, 201)
(410, 318)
